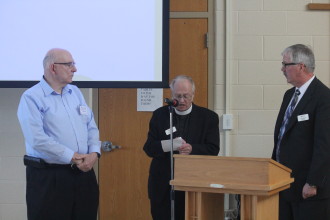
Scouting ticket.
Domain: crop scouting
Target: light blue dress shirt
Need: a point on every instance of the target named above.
(55, 126)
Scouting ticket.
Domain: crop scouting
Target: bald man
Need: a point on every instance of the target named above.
(62, 145)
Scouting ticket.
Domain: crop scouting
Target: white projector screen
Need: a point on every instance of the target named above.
(115, 44)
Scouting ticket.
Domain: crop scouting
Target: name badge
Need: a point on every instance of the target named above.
(168, 131)
(304, 117)
(83, 110)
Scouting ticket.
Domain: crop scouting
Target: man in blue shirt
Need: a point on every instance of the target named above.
(62, 145)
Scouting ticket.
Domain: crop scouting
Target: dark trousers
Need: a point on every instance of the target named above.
(162, 210)
(304, 210)
(61, 193)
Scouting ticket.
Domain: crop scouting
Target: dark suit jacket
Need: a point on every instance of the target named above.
(203, 135)
(305, 146)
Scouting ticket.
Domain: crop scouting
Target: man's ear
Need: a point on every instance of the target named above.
(52, 68)
(303, 67)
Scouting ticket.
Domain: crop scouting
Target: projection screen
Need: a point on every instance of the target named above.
(115, 44)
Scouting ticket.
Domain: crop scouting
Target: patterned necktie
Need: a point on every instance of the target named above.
(285, 121)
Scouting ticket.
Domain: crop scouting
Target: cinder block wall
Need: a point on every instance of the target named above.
(260, 30)
(12, 170)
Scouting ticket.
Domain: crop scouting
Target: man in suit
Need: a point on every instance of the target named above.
(302, 138)
(195, 131)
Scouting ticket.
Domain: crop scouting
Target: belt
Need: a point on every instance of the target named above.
(40, 163)
(53, 165)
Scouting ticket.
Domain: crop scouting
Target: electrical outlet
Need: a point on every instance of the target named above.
(227, 121)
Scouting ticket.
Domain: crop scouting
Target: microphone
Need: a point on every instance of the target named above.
(171, 102)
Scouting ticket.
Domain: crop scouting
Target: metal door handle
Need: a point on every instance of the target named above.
(107, 146)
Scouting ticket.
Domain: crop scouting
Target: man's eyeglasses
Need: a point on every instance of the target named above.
(288, 64)
(184, 96)
(69, 64)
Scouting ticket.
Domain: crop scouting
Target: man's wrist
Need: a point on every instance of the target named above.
(312, 185)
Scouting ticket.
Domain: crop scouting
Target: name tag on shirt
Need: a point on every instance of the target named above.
(304, 117)
(83, 110)
(168, 131)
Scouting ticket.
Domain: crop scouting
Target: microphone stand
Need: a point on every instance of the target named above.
(172, 195)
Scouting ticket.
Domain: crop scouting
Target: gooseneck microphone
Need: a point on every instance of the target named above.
(171, 102)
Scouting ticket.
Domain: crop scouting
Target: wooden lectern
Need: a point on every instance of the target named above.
(206, 178)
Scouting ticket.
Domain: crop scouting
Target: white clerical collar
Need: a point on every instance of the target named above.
(186, 112)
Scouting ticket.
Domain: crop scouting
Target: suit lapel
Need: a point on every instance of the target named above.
(283, 108)
(301, 105)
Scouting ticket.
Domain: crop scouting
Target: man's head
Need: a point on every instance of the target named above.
(298, 64)
(183, 89)
(59, 67)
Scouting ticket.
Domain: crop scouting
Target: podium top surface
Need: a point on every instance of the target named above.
(256, 159)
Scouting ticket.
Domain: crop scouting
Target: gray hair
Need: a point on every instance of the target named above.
(182, 77)
(300, 53)
(49, 59)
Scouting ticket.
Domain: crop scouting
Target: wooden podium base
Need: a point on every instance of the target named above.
(200, 205)
(210, 206)
(259, 207)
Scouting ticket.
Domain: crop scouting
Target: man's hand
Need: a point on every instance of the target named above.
(85, 162)
(308, 191)
(77, 158)
(185, 149)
